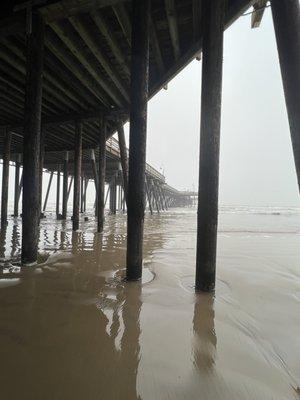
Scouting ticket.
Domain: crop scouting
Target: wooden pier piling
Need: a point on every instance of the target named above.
(77, 173)
(48, 191)
(213, 26)
(17, 183)
(138, 137)
(5, 178)
(124, 158)
(101, 175)
(58, 192)
(286, 19)
(31, 142)
(65, 186)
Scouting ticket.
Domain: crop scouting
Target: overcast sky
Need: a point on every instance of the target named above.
(256, 165)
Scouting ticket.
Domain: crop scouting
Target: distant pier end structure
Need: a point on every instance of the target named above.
(72, 72)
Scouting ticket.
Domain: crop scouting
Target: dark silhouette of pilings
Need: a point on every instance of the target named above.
(77, 173)
(31, 142)
(5, 178)
(213, 26)
(138, 133)
(101, 176)
(286, 18)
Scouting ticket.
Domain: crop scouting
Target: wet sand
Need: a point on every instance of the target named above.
(72, 329)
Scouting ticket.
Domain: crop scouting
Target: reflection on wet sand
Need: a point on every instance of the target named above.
(204, 333)
(71, 328)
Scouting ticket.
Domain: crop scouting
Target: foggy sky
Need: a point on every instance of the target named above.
(256, 163)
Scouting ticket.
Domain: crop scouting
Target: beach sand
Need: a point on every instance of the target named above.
(71, 328)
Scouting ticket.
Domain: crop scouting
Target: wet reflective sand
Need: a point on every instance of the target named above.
(72, 329)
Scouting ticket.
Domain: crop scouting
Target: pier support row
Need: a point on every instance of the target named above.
(138, 131)
(31, 143)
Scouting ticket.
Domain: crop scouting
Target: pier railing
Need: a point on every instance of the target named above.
(112, 146)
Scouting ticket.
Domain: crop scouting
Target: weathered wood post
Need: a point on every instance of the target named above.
(113, 195)
(41, 167)
(211, 98)
(69, 188)
(48, 191)
(81, 192)
(138, 133)
(286, 18)
(65, 186)
(101, 175)
(86, 183)
(124, 158)
(17, 182)
(31, 143)
(5, 178)
(58, 192)
(77, 173)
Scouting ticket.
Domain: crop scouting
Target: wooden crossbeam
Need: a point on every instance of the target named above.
(257, 15)
(173, 26)
(124, 21)
(111, 40)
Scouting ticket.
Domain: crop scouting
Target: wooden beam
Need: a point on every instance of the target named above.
(71, 64)
(173, 26)
(112, 41)
(67, 8)
(5, 178)
(124, 21)
(71, 42)
(156, 47)
(258, 13)
(197, 20)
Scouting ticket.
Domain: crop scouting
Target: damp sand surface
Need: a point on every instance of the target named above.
(71, 329)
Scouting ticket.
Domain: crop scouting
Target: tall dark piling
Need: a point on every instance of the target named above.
(138, 133)
(124, 158)
(31, 142)
(48, 191)
(17, 183)
(213, 26)
(101, 175)
(286, 18)
(65, 186)
(5, 178)
(58, 192)
(77, 173)
(41, 168)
